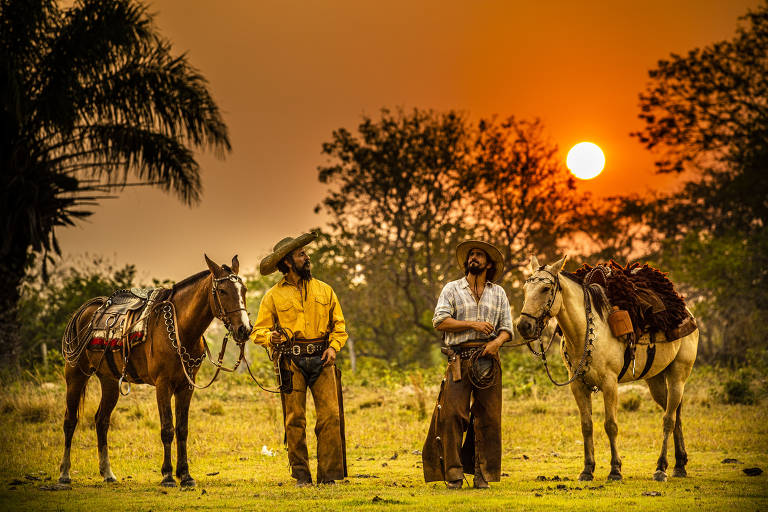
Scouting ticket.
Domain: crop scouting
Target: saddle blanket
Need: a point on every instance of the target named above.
(123, 318)
(645, 293)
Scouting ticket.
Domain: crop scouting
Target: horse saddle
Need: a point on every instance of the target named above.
(122, 317)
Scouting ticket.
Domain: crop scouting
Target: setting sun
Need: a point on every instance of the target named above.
(585, 160)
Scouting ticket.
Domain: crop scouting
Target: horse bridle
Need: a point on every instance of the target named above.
(541, 320)
(545, 315)
(221, 313)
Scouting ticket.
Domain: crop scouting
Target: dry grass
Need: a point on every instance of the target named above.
(386, 425)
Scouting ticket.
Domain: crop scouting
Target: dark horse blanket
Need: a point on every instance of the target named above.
(643, 291)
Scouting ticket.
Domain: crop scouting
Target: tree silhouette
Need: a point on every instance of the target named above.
(89, 96)
(707, 113)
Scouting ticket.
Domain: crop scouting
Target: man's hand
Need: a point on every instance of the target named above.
(492, 348)
(482, 327)
(329, 356)
(276, 338)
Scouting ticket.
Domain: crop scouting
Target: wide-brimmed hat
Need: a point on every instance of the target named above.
(462, 250)
(283, 248)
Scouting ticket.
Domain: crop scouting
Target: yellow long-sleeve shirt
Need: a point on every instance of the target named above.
(311, 316)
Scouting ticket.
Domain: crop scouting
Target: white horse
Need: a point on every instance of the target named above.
(598, 358)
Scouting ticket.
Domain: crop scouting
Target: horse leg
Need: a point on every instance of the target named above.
(109, 396)
(583, 397)
(658, 388)
(681, 456)
(76, 381)
(675, 387)
(183, 397)
(611, 401)
(163, 393)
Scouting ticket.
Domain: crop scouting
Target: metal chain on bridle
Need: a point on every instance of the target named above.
(543, 318)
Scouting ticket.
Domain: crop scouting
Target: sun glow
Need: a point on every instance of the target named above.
(585, 160)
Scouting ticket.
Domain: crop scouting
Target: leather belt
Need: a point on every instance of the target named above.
(305, 348)
(466, 349)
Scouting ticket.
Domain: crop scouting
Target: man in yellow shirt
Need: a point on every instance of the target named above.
(308, 312)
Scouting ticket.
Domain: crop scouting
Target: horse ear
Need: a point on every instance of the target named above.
(534, 263)
(558, 265)
(235, 265)
(212, 266)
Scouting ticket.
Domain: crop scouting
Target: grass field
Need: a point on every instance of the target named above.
(387, 415)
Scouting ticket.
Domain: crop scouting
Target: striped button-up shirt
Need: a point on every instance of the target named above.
(456, 301)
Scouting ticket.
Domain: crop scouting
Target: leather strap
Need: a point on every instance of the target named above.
(110, 357)
(627, 360)
(650, 355)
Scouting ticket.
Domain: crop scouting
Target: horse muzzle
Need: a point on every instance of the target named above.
(242, 333)
(527, 328)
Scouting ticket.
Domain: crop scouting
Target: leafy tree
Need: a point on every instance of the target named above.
(406, 190)
(394, 205)
(89, 95)
(707, 113)
(524, 199)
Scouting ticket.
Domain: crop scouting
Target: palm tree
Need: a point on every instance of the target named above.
(90, 97)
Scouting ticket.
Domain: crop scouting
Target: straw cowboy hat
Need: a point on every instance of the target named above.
(282, 249)
(462, 250)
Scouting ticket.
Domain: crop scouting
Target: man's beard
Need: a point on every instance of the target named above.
(475, 268)
(304, 272)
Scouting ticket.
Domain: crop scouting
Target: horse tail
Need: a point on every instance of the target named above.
(72, 343)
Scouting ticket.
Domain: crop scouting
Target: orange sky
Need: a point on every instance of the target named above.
(288, 73)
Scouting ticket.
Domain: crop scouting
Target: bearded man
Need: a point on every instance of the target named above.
(308, 312)
(474, 315)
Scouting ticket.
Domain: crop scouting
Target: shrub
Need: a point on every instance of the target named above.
(215, 409)
(631, 402)
(737, 391)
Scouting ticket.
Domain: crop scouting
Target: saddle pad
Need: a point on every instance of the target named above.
(644, 292)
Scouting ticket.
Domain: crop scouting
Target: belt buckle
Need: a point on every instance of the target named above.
(296, 350)
(310, 348)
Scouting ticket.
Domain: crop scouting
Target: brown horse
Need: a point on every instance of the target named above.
(168, 359)
(595, 358)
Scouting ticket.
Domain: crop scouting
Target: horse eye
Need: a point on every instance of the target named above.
(223, 292)
(545, 289)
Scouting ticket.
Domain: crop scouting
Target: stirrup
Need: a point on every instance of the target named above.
(120, 386)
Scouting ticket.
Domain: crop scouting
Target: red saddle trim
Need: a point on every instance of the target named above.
(116, 342)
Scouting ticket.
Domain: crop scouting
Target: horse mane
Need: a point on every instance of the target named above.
(194, 278)
(600, 301)
(191, 279)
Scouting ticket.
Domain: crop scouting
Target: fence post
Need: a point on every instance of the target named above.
(44, 350)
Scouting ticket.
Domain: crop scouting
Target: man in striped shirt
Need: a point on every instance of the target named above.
(474, 315)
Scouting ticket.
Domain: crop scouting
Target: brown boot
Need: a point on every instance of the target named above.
(454, 484)
(480, 482)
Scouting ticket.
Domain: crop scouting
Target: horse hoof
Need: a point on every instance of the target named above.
(168, 482)
(586, 477)
(188, 482)
(660, 476)
(614, 476)
(65, 480)
(110, 479)
(679, 472)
